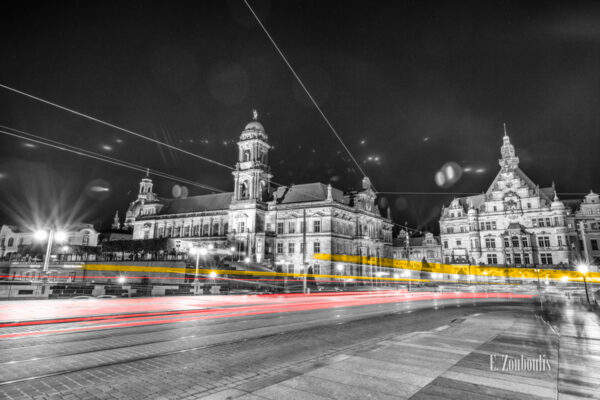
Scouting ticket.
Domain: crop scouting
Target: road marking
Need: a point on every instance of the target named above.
(441, 328)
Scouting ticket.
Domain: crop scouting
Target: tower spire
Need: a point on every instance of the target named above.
(509, 158)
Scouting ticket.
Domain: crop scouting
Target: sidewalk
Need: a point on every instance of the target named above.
(450, 362)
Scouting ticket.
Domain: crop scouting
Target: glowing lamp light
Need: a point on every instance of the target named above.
(60, 236)
(583, 268)
(211, 246)
(212, 274)
(202, 251)
(40, 235)
(232, 249)
(122, 280)
(247, 260)
(564, 278)
(339, 267)
(65, 248)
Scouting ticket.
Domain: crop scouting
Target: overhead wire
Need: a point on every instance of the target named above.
(289, 65)
(88, 153)
(128, 131)
(158, 173)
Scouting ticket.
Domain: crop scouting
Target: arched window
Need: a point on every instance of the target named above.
(244, 191)
(10, 242)
(263, 191)
(246, 156)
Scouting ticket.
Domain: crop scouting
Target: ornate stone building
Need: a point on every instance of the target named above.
(515, 222)
(421, 248)
(19, 242)
(279, 227)
(587, 222)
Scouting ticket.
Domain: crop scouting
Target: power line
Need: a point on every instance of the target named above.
(305, 89)
(87, 153)
(111, 160)
(82, 152)
(114, 126)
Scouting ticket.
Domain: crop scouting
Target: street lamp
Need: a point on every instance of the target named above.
(340, 268)
(407, 274)
(50, 234)
(198, 251)
(583, 268)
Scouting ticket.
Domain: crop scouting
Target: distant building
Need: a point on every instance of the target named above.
(280, 228)
(19, 242)
(517, 223)
(587, 222)
(421, 248)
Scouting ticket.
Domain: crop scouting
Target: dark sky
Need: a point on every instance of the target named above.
(414, 83)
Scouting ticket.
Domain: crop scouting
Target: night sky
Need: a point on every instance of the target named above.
(408, 85)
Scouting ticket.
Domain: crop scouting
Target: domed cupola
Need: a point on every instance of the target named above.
(556, 203)
(254, 129)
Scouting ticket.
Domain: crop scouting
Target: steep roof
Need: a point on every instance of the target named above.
(316, 191)
(205, 202)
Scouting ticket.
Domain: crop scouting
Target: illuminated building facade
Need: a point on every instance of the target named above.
(19, 242)
(281, 228)
(517, 223)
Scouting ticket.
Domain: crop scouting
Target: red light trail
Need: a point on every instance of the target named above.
(130, 312)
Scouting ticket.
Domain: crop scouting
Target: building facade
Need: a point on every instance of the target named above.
(279, 227)
(425, 248)
(517, 223)
(19, 242)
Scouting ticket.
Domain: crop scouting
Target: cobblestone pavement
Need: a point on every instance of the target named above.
(219, 358)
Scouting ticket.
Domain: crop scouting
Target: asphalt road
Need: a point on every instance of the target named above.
(189, 347)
